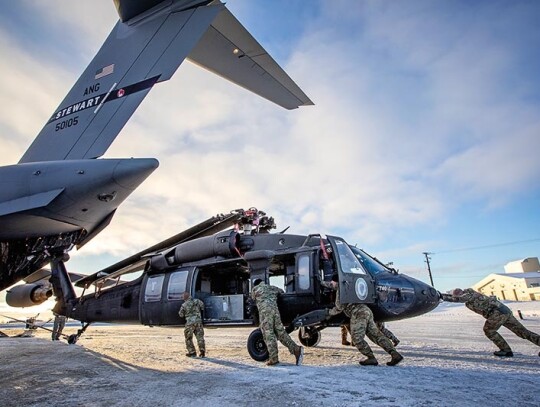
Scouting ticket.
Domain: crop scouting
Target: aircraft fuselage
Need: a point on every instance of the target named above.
(54, 205)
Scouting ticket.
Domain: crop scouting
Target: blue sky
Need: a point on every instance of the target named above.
(424, 137)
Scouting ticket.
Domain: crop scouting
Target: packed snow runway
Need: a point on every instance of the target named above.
(448, 361)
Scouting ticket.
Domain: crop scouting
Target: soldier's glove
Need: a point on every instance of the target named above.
(447, 297)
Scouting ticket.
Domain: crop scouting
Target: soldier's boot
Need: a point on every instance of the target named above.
(344, 340)
(191, 355)
(503, 353)
(396, 358)
(395, 342)
(272, 362)
(370, 361)
(202, 354)
(299, 355)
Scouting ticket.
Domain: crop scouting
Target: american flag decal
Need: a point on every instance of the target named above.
(107, 70)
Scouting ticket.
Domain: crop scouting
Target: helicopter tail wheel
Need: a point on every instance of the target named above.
(256, 347)
(309, 337)
(72, 339)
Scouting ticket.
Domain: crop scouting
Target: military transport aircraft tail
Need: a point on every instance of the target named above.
(147, 46)
(59, 196)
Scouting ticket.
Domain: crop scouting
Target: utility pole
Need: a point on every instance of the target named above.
(428, 267)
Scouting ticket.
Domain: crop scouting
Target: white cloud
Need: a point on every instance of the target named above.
(355, 161)
(28, 96)
(418, 111)
(35, 79)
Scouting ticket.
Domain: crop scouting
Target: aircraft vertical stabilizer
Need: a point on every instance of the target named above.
(147, 46)
(136, 55)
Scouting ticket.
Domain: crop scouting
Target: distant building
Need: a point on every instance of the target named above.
(527, 265)
(520, 282)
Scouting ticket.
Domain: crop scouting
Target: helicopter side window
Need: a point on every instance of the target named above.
(303, 271)
(278, 281)
(154, 285)
(347, 260)
(177, 285)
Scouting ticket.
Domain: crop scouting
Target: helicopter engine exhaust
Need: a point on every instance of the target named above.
(28, 295)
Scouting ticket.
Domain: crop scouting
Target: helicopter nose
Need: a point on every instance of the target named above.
(426, 297)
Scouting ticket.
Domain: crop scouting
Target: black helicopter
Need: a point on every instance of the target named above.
(220, 268)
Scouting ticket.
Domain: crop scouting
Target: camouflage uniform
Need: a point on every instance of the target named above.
(265, 297)
(361, 325)
(345, 330)
(58, 326)
(388, 333)
(192, 310)
(497, 315)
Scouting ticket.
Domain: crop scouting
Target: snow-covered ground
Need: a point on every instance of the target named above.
(448, 362)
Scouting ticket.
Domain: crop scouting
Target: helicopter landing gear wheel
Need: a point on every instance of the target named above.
(72, 339)
(309, 336)
(256, 347)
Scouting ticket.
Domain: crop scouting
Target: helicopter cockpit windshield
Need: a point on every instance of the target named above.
(348, 261)
(373, 266)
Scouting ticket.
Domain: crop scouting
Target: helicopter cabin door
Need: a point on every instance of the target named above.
(151, 304)
(355, 283)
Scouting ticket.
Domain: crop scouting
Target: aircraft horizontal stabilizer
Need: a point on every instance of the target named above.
(230, 51)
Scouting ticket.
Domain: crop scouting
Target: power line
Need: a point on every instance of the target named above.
(486, 247)
(427, 254)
